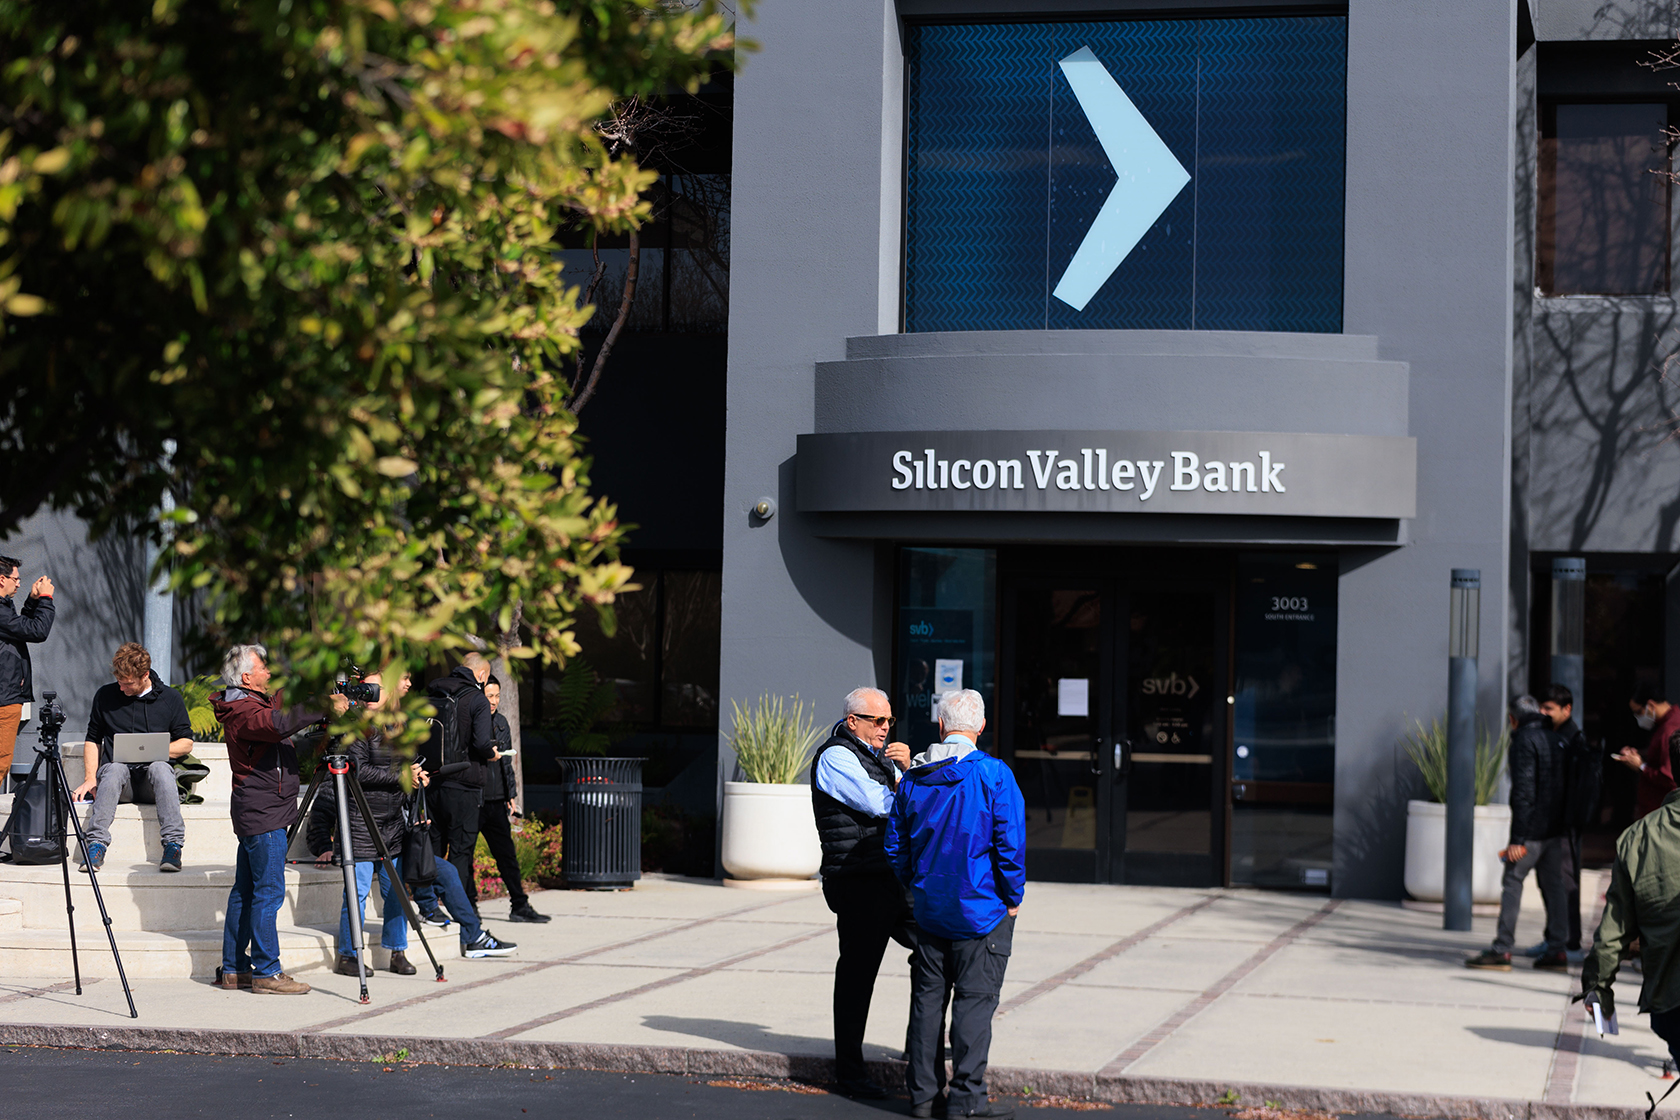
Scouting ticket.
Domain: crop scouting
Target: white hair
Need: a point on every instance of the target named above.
(962, 711)
(241, 660)
(858, 699)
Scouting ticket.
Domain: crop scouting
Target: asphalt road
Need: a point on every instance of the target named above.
(41, 1084)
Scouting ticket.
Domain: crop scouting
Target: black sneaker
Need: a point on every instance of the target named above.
(435, 918)
(992, 1112)
(1556, 961)
(524, 913)
(1491, 959)
(930, 1110)
(171, 860)
(487, 946)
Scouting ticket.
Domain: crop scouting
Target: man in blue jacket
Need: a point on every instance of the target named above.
(957, 838)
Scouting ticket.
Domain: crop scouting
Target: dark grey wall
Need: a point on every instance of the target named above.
(98, 588)
(1429, 274)
(815, 232)
(1428, 277)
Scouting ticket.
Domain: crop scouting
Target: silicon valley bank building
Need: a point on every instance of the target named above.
(1149, 367)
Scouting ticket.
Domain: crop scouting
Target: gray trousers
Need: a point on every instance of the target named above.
(1551, 863)
(972, 971)
(120, 784)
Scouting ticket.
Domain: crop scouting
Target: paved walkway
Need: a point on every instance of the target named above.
(1119, 993)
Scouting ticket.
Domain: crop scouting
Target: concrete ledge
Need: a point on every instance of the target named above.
(758, 1063)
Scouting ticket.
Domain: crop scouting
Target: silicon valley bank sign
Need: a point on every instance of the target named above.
(1290, 474)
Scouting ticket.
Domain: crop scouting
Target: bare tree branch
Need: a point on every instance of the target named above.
(575, 405)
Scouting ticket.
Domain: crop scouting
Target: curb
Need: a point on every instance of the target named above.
(1119, 1089)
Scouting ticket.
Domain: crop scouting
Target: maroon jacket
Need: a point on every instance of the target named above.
(1656, 780)
(263, 761)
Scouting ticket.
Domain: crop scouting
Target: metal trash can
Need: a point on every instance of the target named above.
(601, 829)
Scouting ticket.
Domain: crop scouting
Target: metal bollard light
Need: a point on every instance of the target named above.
(1463, 647)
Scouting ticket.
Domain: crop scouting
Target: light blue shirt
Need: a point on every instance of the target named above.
(842, 777)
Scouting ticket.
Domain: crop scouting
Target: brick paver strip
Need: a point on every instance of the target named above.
(61, 986)
(1566, 1048)
(1108, 954)
(1134, 1053)
(540, 966)
(654, 985)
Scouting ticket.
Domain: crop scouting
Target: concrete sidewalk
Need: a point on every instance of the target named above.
(1118, 993)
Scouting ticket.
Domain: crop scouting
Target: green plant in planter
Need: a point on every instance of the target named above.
(773, 740)
(195, 693)
(1427, 748)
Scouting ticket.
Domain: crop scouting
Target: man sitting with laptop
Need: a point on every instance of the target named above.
(137, 725)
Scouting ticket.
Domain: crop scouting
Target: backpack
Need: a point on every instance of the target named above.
(446, 745)
(1583, 777)
(35, 830)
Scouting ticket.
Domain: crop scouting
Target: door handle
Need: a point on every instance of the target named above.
(1119, 755)
(1096, 757)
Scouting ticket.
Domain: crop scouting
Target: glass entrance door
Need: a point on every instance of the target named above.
(1114, 719)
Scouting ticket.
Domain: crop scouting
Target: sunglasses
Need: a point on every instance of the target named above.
(878, 721)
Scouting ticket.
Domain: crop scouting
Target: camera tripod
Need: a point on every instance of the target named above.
(344, 782)
(58, 796)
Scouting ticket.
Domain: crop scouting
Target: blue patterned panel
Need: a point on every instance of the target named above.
(1005, 174)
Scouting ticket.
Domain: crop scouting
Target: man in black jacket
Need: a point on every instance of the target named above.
(1539, 840)
(495, 818)
(139, 701)
(852, 779)
(17, 630)
(457, 790)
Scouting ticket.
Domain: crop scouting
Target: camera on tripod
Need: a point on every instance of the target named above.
(50, 717)
(356, 690)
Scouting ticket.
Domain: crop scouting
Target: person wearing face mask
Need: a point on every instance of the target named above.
(1655, 714)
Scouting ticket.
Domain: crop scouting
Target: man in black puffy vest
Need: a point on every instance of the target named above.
(852, 781)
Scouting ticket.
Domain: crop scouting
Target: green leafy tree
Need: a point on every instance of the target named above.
(309, 242)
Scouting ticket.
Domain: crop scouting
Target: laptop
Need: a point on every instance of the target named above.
(139, 748)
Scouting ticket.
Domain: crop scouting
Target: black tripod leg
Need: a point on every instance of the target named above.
(57, 774)
(347, 861)
(308, 803)
(409, 911)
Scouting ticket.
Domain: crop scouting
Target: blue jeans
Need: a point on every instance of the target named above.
(393, 935)
(455, 901)
(250, 937)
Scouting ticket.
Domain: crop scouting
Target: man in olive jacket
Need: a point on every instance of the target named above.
(1640, 904)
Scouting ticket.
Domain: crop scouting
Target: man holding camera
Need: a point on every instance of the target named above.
(18, 630)
(852, 781)
(258, 730)
(138, 702)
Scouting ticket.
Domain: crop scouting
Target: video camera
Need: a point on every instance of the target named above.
(51, 717)
(356, 690)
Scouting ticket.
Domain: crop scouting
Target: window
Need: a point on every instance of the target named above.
(1242, 123)
(1604, 199)
(947, 623)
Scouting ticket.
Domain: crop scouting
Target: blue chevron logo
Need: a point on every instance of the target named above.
(1147, 179)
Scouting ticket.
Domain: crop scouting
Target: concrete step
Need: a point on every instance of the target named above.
(216, 786)
(11, 914)
(134, 831)
(45, 953)
(140, 897)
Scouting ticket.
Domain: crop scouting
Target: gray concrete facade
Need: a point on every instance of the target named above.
(1426, 352)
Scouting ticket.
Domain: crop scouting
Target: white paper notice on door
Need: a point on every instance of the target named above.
(947, 675)
(1073, 697)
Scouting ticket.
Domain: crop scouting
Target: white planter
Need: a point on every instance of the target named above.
(1426, 850)
(769, 832)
